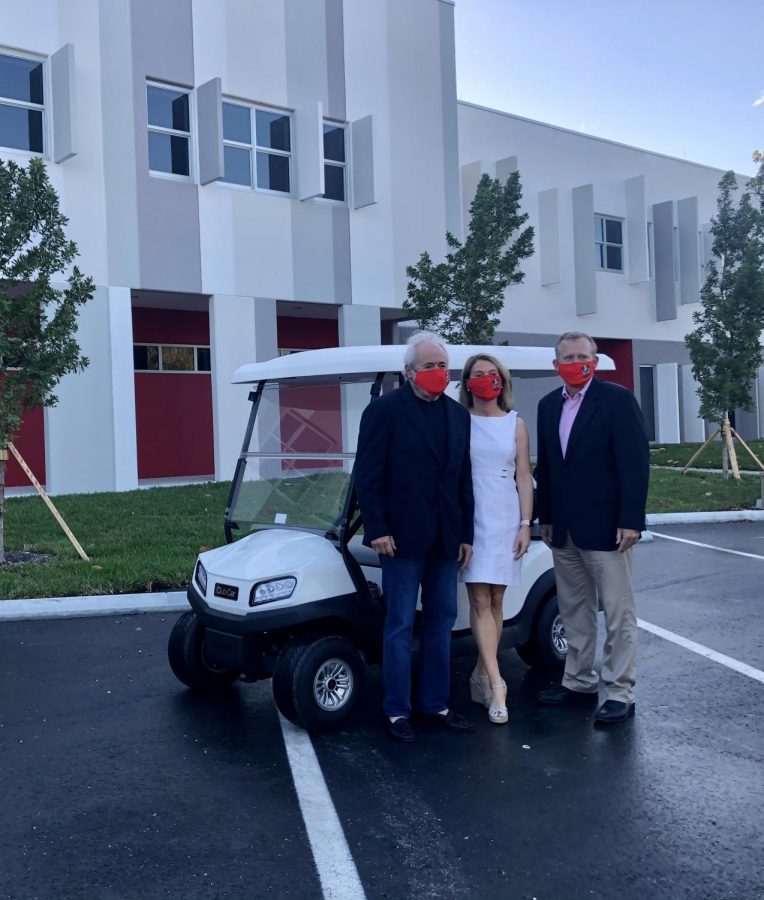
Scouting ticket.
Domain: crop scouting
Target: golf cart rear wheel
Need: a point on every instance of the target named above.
(327, 682)
(548, 646)
(185, 651)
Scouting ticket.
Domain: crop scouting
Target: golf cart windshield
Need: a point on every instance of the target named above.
(296, 464)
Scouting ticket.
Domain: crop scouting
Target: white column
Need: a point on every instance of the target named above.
(667, 402)
(693, 428)
(359, 326)
(90, 435)
(242, 330)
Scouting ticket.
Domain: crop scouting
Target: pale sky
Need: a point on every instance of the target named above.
(681, 77)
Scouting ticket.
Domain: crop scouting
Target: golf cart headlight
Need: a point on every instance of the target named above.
(201, 577)
(276, 589)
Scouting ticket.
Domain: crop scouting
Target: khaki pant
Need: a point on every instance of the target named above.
(588, 580)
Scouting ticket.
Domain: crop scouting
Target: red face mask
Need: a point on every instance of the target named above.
(434, 381)
(577, 374)
(487, 387)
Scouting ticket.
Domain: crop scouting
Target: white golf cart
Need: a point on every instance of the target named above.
(294, 595)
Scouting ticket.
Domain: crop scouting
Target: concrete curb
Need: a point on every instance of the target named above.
(175, 601)
(94, 605)
(706, 518)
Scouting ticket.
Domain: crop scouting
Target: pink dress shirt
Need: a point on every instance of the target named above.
(570, 408)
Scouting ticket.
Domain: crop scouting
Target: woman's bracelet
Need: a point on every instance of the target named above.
(525, 522)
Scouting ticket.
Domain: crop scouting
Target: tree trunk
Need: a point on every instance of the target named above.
(3, 458)
(727, 438)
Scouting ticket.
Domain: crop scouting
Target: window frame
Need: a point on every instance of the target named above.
(254, 148)
(162, 371)
(604, 243)
(173, 132)
(339, 165)
(23, 104)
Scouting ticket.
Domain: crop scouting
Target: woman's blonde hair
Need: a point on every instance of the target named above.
(504, 400)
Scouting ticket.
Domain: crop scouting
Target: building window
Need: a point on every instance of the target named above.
(170, 358)
(169, 120)
(271, 149)
(237, 144)
(334, 162)
(608, 244)
(22, 103)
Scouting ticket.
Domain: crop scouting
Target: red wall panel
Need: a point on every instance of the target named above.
(30, 442)
(170, 326)
(621, 353)
(296, 333)
(173, 415)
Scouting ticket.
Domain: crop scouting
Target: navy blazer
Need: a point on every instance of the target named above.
(401, 490)
(601, 484)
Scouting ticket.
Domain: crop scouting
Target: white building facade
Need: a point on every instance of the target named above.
(251, 177)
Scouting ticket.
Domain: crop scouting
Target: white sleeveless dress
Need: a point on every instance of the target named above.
(497, 504)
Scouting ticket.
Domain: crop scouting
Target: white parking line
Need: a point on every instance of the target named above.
(336, 869)
(671, 537)
(723, 660)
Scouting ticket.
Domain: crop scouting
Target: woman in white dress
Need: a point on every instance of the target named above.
(503, 489)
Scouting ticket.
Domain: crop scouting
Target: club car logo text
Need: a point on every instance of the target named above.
(226, 591)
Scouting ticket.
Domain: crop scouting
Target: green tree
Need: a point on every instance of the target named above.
(725, 347)
(38, 322)
(461, 298)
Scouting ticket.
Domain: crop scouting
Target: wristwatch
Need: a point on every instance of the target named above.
(525, 522)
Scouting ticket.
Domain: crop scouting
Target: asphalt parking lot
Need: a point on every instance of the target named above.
(118, 783)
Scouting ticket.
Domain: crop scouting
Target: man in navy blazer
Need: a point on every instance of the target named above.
(592, 476)
(413, 480)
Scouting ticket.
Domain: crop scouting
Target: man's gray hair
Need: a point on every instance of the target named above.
(574, 336)
(421, 337)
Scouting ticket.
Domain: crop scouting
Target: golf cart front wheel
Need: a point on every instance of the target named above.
(318, 685)
(548, 646)
(185, 651)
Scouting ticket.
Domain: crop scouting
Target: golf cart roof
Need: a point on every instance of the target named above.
(356, 362)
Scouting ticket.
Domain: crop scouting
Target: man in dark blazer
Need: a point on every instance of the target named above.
(414, 485)
(592, 475)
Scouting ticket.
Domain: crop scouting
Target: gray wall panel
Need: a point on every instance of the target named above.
(505, 167)
(583, 249)
(313, 251)
(636, 230)
(450, 124)
(689, 261)
(168, 209)
(119, 145)
(549, 236)
(341, 246)
(665, 276)
(335, 61)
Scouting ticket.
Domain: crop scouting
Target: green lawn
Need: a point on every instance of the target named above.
(147, 540)
(710, 458)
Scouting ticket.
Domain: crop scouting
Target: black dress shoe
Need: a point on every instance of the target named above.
(561, 696)
(451, 720)
(614, 711)
(401, 730)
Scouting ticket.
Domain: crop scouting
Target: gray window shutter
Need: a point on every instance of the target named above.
(309, 145)
(362, 142)
(209, 114)
(549, 236)
(636, 230)
(62, 80)
(663, 242)
(583, 250)
(689, 257)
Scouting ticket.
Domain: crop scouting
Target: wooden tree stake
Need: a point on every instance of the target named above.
(698, 452)
(56, 514)
(755, 457)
